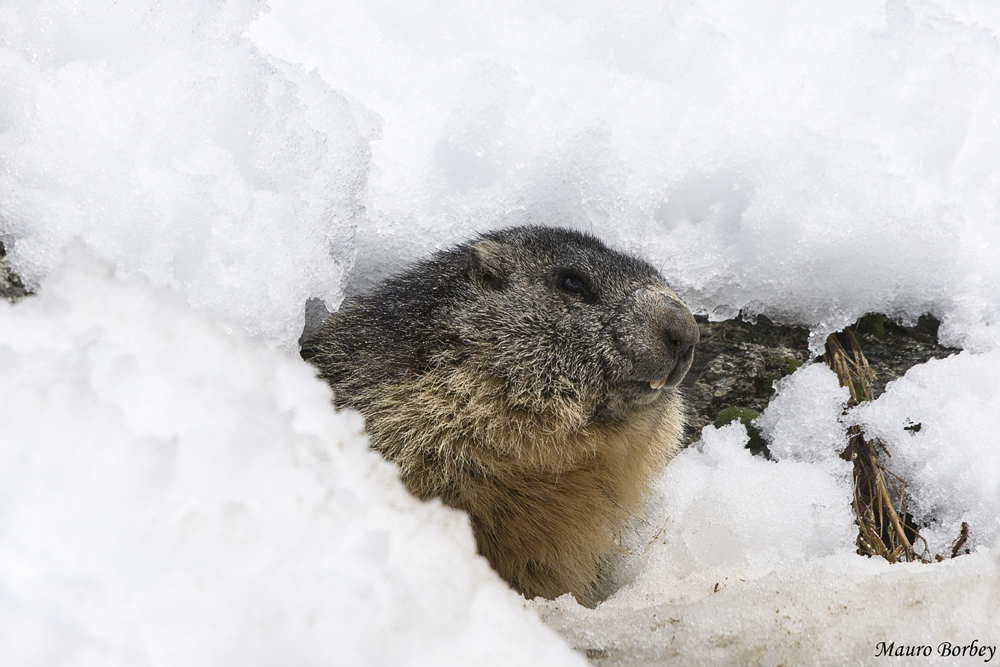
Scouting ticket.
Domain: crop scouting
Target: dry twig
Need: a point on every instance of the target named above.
(883, 529)
(959, 542)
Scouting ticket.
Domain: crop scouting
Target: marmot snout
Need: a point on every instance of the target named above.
(654, 329)
(528, 377)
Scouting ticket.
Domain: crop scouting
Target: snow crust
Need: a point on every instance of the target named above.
(740, 560)
(160, 137)
(178, 179)
(939, 423)
(812, 161)
(827, 611)
(721, 513)
(173, 493)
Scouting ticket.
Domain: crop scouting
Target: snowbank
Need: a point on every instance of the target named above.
(940, 424)
(746, 561)
(173, 493)
(178, 152)
(173, 490)
(812, 162)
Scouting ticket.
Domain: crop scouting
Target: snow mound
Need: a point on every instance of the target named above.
(811, 162)
(173, 493)
(834, 611)
(720, 514)
(939, 423)
(812, 391)
(179, 153)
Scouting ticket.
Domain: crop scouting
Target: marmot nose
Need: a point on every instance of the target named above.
(679, 335)
(657, 333)
(679, 328)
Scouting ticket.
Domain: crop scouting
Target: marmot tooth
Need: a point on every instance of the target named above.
(658, 384)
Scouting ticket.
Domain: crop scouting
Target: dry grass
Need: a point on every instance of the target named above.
(884, 527)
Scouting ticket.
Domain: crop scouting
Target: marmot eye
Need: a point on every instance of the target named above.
(574, 284)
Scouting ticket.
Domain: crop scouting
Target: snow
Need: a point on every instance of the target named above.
(816, 162)
(173, 493)
(829, 611)
(179, 153)
(177, 181)
(720, 512)
(951, 463)
(814, 390)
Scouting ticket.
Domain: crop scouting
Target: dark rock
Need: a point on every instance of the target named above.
(737, 363)
(900, 348)
(11, 287)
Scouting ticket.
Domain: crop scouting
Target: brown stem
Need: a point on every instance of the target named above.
(883, 493)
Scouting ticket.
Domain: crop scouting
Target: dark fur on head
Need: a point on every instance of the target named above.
(527, 377)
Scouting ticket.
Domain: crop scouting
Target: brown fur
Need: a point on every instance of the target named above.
(512, 414)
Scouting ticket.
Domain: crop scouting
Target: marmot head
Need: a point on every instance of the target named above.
(527, 377)
(568, 321)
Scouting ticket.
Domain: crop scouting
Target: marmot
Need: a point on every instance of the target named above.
(528, 377)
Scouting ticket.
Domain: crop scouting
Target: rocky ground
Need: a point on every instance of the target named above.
(737, 363)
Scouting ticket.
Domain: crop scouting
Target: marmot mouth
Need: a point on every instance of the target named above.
(679, 370)
(647, 389)
(652, 387)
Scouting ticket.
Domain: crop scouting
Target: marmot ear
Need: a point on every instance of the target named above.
(488, 265)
